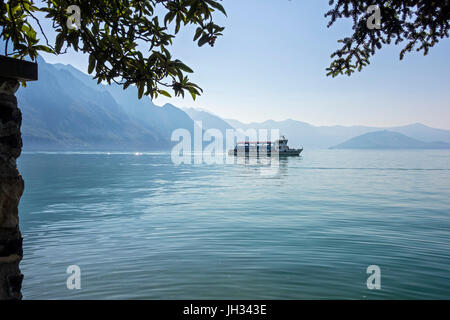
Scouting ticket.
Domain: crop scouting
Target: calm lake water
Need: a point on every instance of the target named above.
(140, 227)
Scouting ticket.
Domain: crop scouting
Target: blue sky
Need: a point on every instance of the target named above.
(270, 64)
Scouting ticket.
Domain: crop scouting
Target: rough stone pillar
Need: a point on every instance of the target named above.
(11, 189)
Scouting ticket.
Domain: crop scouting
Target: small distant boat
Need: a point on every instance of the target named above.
(264, 148)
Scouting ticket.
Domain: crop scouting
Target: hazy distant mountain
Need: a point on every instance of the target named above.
(388, 140)
(209, 120)
(67, 110)
(423, 132)
(61, 112)
(301, 133)
(163, 119)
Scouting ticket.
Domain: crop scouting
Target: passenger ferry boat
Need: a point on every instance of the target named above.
(263, 148)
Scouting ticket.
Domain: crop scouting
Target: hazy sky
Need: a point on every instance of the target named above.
(270, 64)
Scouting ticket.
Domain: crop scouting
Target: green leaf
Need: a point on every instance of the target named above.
(193, 94)
(198, 33)
(217, 6)
(44, 48)
(141, 88)
(91, 63)
(59, 42)
(184, 67)
(165, 93)
(204, 39)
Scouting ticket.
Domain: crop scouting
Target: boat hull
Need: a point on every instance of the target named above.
(286, 153)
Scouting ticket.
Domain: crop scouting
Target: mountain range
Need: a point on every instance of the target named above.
(388, 140)
(67, 110)
(309, 136)
(209, 120)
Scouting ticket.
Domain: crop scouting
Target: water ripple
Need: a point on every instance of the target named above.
(142, 228)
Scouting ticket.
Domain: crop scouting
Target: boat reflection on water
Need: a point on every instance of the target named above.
(269, 166)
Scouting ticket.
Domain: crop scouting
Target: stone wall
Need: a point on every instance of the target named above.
(11, 189)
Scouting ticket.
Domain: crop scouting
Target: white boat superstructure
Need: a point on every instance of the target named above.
(263, 148)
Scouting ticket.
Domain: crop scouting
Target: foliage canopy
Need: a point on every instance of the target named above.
(420, 23)
(115, 33)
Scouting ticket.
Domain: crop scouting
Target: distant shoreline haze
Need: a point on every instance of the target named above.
(68, 111)
(389, 140)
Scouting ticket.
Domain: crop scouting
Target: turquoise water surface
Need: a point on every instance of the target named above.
(140, 227)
